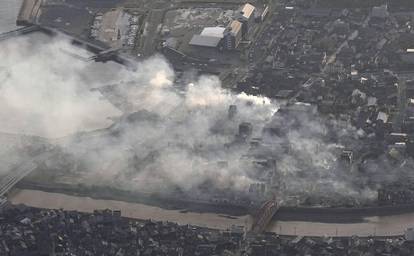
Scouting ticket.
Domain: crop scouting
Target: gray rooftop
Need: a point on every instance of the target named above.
(207, 41)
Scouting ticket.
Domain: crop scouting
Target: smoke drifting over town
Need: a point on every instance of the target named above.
(45, 92)
(146, 130)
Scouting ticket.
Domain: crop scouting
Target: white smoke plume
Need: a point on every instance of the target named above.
(161, 138)
(141, 130)
(44, 91)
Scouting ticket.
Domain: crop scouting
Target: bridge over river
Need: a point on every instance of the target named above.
(8, 181)
(264, 216)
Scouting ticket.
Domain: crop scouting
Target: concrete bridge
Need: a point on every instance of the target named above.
(17, 174)
(18, 32)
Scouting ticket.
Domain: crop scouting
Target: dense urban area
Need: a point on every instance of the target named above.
(28, 231)
(251, 107)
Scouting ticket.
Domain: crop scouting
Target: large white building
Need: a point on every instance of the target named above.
(213, 31)
(209, 37)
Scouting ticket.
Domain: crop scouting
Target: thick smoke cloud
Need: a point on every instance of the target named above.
(45, 92)
(161, 138)
(162, 134)
(171, 138)
(309, 163)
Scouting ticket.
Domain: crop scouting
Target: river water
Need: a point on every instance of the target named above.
(8, 14)
(372, 226)
(380, 226)
(132, 210)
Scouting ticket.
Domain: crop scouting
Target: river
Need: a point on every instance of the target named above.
(380, 226)
(372, 226)
(131, 210)
(9, 10)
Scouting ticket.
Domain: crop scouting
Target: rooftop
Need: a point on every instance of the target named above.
(213, 32)
(236, 26)
(247, 10)
(207, 41)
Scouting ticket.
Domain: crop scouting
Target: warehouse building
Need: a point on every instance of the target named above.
(205, 41)
(209, 37)
(231, 36)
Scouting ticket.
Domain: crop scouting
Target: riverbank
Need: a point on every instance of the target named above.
(385, 226)
(288, 214)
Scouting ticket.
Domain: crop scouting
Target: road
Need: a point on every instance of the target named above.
(402, 106)
(151, 31)
(18, 32)
(255, 53)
